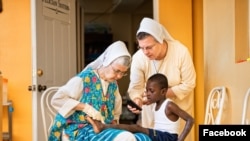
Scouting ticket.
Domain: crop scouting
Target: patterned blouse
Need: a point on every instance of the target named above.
(93, 95)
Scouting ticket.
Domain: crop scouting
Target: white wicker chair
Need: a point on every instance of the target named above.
(245, 117)
(48, 112)
(215, 105)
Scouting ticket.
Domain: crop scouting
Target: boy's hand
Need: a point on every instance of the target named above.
(134, 110)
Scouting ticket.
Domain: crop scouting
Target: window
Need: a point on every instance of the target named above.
(242, 31)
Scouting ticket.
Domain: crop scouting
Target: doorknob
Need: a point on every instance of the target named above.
(41, 88)
(39, 72)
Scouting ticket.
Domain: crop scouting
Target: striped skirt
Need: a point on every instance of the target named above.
(87, 134)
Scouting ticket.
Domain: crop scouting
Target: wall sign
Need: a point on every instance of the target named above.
(58, 9)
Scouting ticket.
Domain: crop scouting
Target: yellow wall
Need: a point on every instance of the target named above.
(176, 16)
(15, 64)
(219, 53)
(183, 19)
(198, 52)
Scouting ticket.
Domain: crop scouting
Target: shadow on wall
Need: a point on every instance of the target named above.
(1, 6)
(227, 116)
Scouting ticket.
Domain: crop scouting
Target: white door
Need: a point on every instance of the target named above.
(53, 51)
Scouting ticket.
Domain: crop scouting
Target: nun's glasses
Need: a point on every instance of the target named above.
(118, 71)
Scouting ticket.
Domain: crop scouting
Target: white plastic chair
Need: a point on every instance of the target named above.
(215, 105)
(48, 112)
(245, 119)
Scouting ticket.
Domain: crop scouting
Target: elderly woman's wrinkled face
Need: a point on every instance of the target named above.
(115, 71)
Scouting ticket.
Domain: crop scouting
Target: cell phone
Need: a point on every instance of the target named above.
(134, 105)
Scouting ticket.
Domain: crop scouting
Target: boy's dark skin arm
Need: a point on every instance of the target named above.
(172, 110)
(98, 126)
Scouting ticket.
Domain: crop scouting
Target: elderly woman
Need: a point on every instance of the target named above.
(94, 92)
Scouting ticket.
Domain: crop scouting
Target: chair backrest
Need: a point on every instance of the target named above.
(245, 118)
(215, 105)
(48, 112)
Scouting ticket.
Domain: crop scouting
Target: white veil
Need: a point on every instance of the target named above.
(113, 51)
(155, 29)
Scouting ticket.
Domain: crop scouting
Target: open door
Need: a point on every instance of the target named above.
(53, 51)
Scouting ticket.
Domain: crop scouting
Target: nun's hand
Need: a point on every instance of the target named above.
(135, 110)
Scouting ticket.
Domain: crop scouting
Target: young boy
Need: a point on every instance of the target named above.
(166, 114)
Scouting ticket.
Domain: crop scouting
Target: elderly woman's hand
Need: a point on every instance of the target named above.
(92, 112)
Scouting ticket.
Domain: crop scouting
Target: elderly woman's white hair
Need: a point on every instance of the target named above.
(114, 51)
(155, 29)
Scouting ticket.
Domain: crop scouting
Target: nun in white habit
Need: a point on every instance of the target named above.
(94, 92)
(159, 52)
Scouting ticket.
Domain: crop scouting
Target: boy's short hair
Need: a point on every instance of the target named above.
(161, 79)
